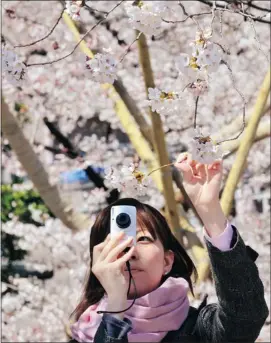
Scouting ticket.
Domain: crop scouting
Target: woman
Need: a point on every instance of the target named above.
(162, 272)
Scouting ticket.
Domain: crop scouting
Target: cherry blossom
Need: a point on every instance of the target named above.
(187, 66)
(102, 68)
(165, 102)
(145, 16)
(73, 9)
(205, 150)
(208, 57)
(129, 180)
(204, 59)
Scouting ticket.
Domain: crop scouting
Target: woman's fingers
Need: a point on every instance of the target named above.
(201, 171)
(214, 170)
(193, 171)
(183, 163)
(110, 244)
(126, 257)
(216, 165)
(114, 253)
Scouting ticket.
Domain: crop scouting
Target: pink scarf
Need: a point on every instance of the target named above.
(152, 316)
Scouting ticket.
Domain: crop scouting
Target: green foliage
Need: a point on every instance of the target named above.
(16, 203)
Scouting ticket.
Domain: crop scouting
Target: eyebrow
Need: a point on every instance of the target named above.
(138, 231)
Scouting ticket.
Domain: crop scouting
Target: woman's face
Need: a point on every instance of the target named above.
(148, 263)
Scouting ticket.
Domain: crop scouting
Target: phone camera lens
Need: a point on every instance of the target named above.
(123, 220)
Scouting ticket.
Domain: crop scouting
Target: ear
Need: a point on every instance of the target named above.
(168, 261)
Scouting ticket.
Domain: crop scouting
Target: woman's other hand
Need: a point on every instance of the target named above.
(202, 184)
(201, 181)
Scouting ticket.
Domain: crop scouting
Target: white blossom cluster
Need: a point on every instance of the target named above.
(128, 180)
(169, 104)
(166, 102)
(204, 149)
(12, 68)
(102, 68)
(146, 16)
(204, 59)
(73, 9)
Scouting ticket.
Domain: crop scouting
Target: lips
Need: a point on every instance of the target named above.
(133, 270)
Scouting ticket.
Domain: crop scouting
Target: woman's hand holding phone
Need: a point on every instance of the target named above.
(108, 266)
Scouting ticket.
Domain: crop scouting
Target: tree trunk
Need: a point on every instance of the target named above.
(245, 145)
(37, 174)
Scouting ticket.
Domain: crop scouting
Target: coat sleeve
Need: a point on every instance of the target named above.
(241, 310)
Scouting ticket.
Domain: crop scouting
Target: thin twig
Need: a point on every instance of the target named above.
(191, 16)
(222, 7)
(220, 21)
(48, 34)
(183, 8)
(257, 39)
(69, 54)
(225, 50)
(213, 15)
(166, 165)
(244, 105)
(128, 48)
(197, 23)
(196, 109)
(185, 13)
(259, 8)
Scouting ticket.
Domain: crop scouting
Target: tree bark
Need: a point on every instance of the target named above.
(38, 175)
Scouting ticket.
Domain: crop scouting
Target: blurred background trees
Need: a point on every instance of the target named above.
(62, 131)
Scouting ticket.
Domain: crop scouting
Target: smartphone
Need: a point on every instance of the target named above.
(123, 218)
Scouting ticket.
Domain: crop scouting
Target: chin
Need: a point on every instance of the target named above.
(140, 293)
(132, 295)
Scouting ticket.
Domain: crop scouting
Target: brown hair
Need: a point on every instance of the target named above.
(149, 218)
